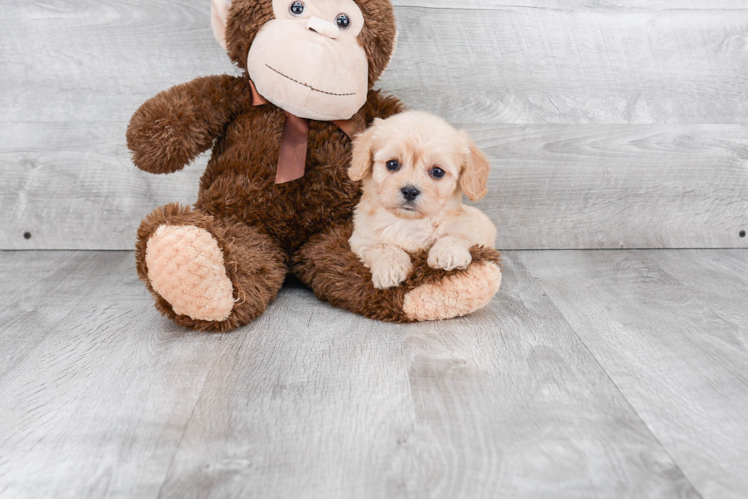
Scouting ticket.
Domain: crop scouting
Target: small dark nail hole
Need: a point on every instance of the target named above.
(27, 235)
(742, 234)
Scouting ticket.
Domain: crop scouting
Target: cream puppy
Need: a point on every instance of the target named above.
(415, 168)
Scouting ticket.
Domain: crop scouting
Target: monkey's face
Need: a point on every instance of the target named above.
(308, 59)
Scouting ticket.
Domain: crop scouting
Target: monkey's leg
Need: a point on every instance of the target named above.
(206, 273)
(334, 272)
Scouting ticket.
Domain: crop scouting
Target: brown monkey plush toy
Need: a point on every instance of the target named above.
(276, 198)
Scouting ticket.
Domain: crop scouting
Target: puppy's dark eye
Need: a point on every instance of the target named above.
(296, 8)
(343, 21)
(393, 165)
(437, 173)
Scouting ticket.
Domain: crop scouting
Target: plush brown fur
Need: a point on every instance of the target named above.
(254, 263)
(173, 127)
(259, 225)
(336, 275)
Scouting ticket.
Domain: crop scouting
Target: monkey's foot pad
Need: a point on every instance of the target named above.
(185, 266)
(455, 295)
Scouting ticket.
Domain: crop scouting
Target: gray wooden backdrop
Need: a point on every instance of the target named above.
(610, 123)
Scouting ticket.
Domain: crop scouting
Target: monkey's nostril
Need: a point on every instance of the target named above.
(410, 193)
(322, 27)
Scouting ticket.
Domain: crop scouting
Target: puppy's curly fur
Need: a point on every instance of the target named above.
(415, 167)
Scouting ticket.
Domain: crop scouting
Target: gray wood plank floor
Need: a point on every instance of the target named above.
(593, 373)
(669, 329)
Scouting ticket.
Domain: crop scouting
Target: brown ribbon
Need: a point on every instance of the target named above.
(292, 158)
(349, 127)
(257, 99)
(293, 146)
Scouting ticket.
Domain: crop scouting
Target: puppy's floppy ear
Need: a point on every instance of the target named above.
(219, 14)
(474, 178)
(363, 153)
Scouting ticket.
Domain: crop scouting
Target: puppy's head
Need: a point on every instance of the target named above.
(414, 163)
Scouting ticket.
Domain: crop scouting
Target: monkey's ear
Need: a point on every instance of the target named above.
(394, 49)
(363, 154)
(219, 14)
(474, 178)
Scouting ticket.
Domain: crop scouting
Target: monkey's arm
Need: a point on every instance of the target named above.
(169, 130)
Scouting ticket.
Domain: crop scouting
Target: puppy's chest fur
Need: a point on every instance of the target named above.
(411, 235)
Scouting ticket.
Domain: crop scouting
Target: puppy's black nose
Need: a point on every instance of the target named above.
(410, 193)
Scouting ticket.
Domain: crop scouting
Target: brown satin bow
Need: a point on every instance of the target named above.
(293, 146)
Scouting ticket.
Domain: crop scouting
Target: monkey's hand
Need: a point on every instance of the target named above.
(169, 130)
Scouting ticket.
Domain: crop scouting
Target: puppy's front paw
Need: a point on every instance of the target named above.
(389, 273)
(449, 258)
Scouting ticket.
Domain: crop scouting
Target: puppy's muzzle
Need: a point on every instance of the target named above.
(410, 193)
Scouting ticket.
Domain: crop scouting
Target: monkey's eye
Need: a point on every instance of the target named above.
(393, 165)
(437, 173)
(343, 21)
(296, 8)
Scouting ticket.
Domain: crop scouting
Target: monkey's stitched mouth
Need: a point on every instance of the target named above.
(307, 85)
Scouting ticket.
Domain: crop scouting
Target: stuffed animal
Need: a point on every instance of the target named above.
(276, 197)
